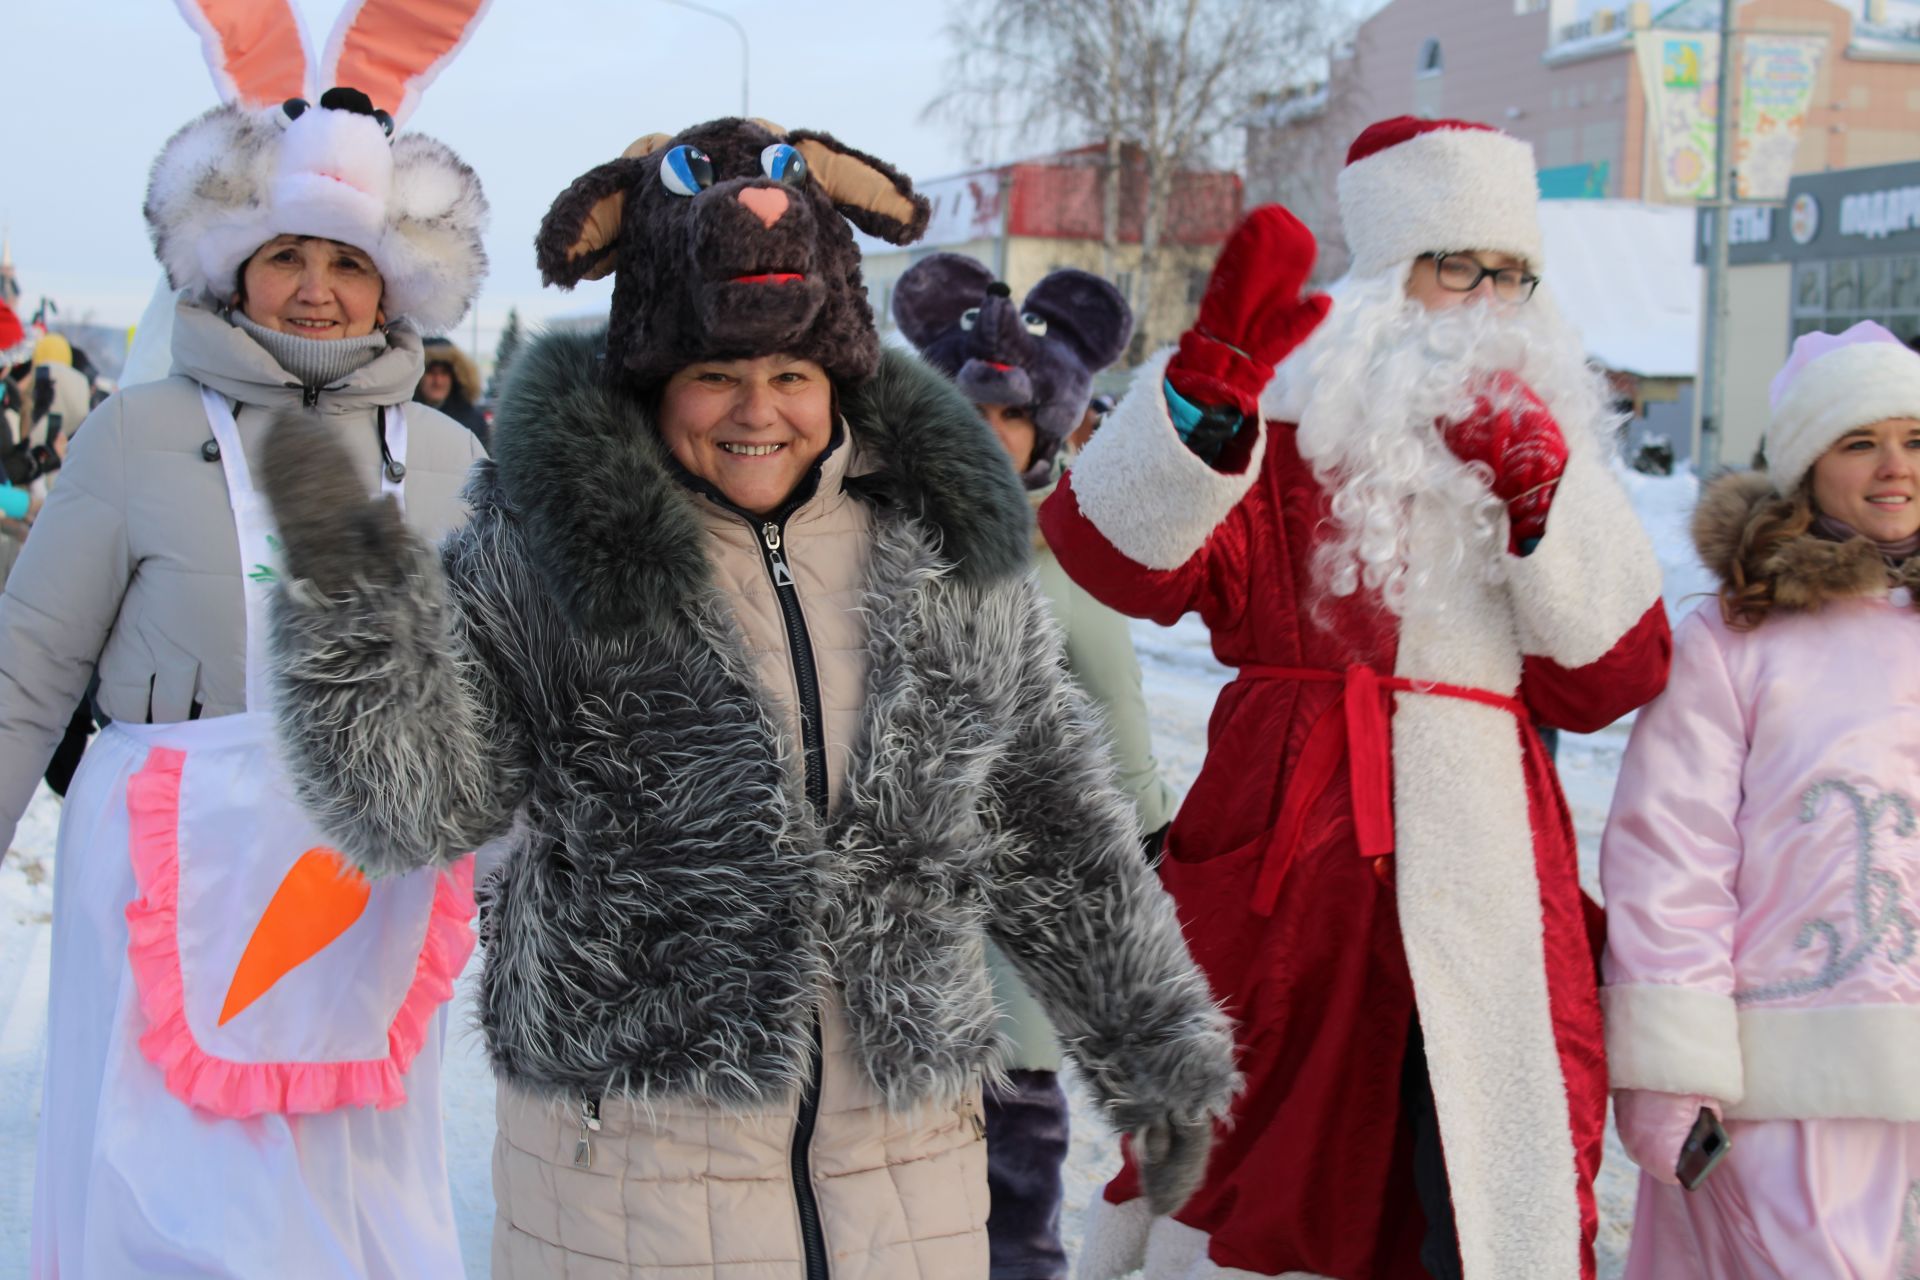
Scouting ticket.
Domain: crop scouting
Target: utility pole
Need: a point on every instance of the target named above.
(1714, 359)
(738, 30)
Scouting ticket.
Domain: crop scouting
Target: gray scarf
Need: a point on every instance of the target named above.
(316, 362)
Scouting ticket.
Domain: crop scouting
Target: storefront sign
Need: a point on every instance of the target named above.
(1803, 218)
(1879, 214)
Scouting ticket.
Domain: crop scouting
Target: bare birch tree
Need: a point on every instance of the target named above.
(1164, 80)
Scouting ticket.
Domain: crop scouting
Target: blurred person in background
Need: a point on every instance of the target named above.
(451, 384)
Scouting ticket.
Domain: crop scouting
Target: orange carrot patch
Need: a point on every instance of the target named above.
(319, 900)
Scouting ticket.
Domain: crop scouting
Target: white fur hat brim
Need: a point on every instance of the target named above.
(1447, 189)
(221, 188)
(1847, 388)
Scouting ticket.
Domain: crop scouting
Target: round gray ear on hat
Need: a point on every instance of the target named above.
(1085, 312)
(930, 296)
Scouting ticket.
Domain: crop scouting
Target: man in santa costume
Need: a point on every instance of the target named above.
(1414, 551)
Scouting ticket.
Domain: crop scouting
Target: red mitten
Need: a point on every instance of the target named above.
(1252, 315)
(1515, 436)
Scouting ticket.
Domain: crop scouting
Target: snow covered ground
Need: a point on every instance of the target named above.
(1181, 679)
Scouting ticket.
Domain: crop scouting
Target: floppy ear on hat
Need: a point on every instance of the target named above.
(391, 50)
(871, 194)
(1085, 312)
(581, 232)
(930, 296)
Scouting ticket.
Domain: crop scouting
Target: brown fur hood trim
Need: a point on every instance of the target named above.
(1805, 572)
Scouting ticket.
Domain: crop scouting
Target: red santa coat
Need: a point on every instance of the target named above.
(1480, 924)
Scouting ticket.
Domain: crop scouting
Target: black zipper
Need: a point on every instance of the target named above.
(771, 536)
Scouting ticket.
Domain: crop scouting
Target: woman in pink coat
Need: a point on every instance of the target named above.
(1761, 865)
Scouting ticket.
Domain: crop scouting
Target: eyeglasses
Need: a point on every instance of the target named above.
(1460, 273)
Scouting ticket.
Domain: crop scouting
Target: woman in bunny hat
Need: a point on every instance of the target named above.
(242, 1070)
(1763, 898)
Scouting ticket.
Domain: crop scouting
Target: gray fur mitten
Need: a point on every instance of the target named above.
(334, 534)
(1173, 1160)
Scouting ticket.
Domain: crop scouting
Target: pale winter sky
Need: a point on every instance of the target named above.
(545, 90)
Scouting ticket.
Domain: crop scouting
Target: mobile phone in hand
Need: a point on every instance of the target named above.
(1706, 1146)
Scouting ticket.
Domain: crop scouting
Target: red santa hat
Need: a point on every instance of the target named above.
(1415, 186)
(16, 344)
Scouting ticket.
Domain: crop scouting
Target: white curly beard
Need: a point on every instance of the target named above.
(1367, 391)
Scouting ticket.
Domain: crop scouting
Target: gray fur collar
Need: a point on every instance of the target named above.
(1802, 573)
(617, 535)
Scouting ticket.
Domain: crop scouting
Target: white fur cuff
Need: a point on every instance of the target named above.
(1854, 1062)
(1144, 489)
(1592, 577)
(1674, 1039)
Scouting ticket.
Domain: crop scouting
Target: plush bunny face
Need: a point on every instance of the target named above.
(1042, 352)
(729, 240)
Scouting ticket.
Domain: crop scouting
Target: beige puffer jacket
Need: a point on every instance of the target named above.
(134, 564)
(686, 1190)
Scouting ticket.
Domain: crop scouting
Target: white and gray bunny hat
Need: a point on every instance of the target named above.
(276, 159)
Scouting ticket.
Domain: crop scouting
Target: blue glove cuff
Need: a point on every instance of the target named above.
(1186, 415)
(14, 501)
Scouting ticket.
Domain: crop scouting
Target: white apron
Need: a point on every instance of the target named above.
(243, 1059)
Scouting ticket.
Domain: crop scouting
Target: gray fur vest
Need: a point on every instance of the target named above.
(673, 907)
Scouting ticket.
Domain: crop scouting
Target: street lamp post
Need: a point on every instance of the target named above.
(739, 30)
(1714, 362)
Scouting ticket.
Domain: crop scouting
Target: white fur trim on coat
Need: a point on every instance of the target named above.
(234, 178)
(1850, 387)
(1470, 922)
(1674, 1039)
(1144, 489)
(1125, 1239)
(1852, 1062)
(1447, 189)
(1594, 574)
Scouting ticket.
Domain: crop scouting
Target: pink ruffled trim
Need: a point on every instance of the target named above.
(240, 1089)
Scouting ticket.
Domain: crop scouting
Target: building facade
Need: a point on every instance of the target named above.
(1844, 248)
(1564, 76)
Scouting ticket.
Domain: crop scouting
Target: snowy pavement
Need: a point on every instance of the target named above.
(1181, 680)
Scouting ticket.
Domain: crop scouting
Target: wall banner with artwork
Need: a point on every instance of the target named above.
(1778, 75)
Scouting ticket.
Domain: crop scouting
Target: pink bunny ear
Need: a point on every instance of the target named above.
(256, 49)
(391, 50)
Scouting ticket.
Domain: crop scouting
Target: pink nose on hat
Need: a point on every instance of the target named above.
(767, 203)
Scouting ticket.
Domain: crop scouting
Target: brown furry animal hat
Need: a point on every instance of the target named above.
(729, 240)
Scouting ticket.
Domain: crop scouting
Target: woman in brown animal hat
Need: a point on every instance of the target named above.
(742, 647)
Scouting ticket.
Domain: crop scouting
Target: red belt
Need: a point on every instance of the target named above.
(1354, 726)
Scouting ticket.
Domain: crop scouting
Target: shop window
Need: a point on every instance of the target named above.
(1905, 325)
(1876, 286)
(1905, 272)
(1843, 285)
(1809, 287)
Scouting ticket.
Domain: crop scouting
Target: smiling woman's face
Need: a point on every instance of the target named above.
(311, 287)
(1870, 480)
(750, 428)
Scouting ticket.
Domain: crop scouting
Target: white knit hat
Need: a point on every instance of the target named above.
(1830, 385)
(1414, 186)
